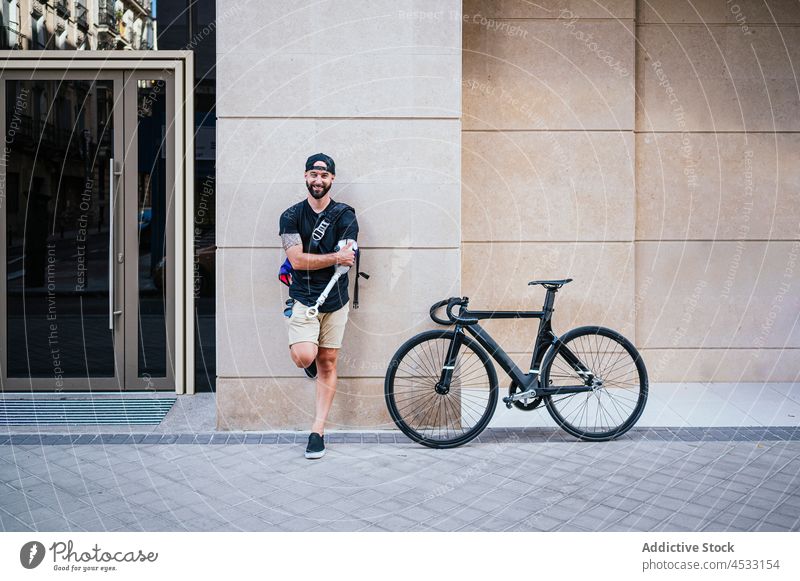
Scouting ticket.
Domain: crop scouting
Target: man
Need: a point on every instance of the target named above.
(314, 343)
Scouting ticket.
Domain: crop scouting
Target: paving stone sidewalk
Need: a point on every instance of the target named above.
(719, 479)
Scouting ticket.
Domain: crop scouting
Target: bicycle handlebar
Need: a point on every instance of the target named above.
(451, 302)
(434, 308)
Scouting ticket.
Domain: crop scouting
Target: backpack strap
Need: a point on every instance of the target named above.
(359, 274)
(355, 288)
(339, 208)
(327, 219)
(332, 216)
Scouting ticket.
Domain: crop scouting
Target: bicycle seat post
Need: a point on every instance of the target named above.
(549, 300)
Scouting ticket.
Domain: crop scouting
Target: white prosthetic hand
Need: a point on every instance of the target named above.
(313, 311)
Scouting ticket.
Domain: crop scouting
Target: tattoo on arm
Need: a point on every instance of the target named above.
(290, 240)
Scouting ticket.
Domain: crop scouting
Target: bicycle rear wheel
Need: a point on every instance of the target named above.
(425, 414)
(616, 373)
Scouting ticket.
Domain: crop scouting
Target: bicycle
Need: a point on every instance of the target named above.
(441, 386)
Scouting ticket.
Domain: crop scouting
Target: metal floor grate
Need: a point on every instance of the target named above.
(77, 412)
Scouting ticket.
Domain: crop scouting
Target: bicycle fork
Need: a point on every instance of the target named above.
(443, 385)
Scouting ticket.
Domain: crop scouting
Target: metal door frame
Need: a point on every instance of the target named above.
(181, 65)
(130, 108)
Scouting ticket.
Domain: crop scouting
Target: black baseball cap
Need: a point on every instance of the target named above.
(321, 157)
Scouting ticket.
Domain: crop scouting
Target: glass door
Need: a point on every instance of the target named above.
(86, 190)
(62, 297)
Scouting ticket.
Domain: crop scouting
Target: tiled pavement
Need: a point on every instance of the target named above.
(535, 479)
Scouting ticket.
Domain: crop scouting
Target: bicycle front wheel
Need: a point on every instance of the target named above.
(611, 365)
(440, 418)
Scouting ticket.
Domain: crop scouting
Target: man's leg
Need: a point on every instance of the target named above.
(303, 353)
(303, 337)
(326, 386)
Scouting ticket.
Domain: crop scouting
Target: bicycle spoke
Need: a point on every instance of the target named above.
(430, 358)
(622, 416)
(417, 406)
(420, 365)
(426, 377)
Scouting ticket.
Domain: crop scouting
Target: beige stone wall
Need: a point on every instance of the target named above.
(717, 176)
(649, 151)
(548, 162)
(376, 86)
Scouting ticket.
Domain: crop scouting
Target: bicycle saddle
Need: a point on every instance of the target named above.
(551, 284)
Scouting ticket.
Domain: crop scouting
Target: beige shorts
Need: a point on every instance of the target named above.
(325, 330)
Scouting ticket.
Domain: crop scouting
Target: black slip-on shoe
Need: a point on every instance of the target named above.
(311, 370)
(316, 446)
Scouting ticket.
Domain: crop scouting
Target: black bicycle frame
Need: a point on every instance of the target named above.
(545, 338)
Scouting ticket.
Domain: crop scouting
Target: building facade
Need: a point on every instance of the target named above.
(648, 151)
(78, 24)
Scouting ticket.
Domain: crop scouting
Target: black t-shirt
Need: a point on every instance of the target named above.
(308, 284)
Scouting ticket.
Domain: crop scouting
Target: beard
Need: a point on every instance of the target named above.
(318, 194)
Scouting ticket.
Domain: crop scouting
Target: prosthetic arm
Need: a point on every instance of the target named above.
(312, 311)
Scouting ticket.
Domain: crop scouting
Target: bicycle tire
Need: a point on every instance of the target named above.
(411, 398)
(593, 416)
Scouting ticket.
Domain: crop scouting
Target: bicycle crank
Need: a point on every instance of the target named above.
(523, 400)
